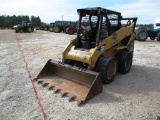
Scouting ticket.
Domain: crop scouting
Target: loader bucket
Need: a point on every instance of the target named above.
(78, 84)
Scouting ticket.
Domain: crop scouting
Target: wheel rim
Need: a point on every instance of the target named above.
(112, 69)
(128, 62)
(70, 31)
(142, 35)
(56, 29)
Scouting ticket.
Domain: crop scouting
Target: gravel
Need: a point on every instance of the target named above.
(133, 96)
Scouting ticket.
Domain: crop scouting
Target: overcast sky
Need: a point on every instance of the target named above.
(51, 10)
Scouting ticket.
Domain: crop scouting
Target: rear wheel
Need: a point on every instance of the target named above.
(108, 67)
(141, 34)
(124, 62)
(158, 37)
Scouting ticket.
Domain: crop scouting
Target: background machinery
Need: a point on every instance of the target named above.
(56, 27)
(51, 26)
(142, 34)
(70, 28)
(43, 26)
(24, 27)
(93, 57)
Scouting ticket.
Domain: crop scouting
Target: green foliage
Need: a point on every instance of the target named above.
(9, 21)
(36, 21)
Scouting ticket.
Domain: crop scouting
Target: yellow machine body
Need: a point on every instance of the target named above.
(79, 75)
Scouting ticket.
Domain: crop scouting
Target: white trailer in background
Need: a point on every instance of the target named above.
(157, 23)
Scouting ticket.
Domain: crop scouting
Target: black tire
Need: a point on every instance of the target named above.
(152, 38)
(141, 34)
(124, 62)
(108, 67)
(158, 37)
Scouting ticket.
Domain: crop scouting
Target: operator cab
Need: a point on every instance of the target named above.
(98, 24)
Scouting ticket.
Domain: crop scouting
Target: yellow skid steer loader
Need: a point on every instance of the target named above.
(93, 57)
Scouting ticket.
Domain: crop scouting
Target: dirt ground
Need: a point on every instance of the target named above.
(134, 96)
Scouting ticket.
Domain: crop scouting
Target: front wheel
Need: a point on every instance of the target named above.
(107, 66)
(124, 62)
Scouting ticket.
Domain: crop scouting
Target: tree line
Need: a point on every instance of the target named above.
(145, 25)
(10, 21)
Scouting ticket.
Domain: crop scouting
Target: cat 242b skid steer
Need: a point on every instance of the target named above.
(93, 57)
